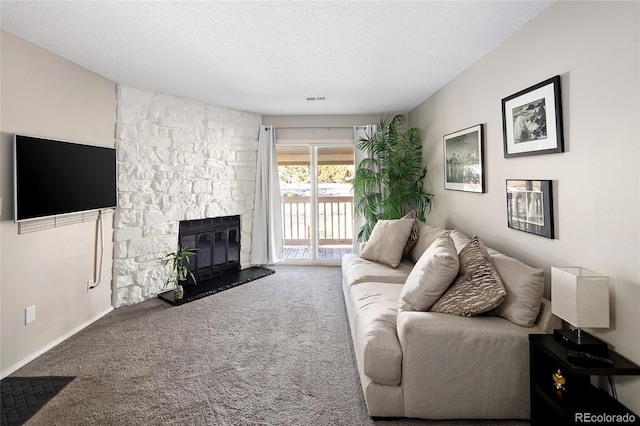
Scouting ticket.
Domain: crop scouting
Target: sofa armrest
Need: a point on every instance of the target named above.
(481, 360)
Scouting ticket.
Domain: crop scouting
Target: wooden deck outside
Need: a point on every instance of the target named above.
(324, 253)
(335, 220)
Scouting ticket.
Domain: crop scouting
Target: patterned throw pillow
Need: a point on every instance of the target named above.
(414, 235)
(477, 289)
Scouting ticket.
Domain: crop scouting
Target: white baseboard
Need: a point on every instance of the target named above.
(53, 344)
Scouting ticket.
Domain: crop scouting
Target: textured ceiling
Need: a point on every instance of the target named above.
(268, 56)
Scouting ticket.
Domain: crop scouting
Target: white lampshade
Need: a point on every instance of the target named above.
(580, 296)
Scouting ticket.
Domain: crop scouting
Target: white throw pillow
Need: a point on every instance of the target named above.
(387, 241)
(427, 235)
(431, 276)
(524, 286)
(459, 239)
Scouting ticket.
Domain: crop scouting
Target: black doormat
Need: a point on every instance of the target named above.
(216, 284)
(22, 397)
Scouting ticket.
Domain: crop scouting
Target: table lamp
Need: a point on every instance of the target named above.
(581, 298)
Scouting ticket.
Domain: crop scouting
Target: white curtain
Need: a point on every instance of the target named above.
(359, 132)
(266, 248)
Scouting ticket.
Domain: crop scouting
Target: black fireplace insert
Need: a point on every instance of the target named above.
(217, 244)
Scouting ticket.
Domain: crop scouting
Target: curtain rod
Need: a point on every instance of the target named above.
(313, 127)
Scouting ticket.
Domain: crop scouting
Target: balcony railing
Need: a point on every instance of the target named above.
(335, 220)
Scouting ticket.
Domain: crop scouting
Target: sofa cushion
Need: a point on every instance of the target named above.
(357, 270)
(413, 235)
(524, 286)
(387, 241)
(431, 276)
(376, 305)
(477, 289)
(427, 235)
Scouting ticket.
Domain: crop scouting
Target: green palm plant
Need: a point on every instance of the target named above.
(390, 182)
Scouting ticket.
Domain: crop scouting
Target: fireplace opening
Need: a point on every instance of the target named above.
(217, 244)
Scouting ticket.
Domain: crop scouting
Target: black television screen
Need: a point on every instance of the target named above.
(54, 177)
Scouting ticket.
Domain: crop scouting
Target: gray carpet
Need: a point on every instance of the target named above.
(275, 351)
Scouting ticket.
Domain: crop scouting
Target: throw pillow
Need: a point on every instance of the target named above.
(431, 276)
(459, 239)
(387, 240)
(477, 289)
(524, 286)
(427, 235)
(415, 233)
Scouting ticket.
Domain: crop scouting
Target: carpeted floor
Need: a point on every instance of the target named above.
(275, 351)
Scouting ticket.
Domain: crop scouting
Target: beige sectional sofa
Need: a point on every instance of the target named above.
(434, 365)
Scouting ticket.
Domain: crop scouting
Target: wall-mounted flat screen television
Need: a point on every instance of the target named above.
(53, 177)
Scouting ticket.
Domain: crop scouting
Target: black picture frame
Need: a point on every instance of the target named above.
(532, 120)
(464, 160)
(530, 206)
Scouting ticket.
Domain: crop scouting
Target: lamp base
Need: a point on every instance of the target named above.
(584, 343)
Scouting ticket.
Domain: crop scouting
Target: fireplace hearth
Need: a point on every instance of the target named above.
(216, 265)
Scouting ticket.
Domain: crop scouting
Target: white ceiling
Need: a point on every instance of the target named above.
(268, 56)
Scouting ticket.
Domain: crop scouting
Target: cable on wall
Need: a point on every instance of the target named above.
(97, 270)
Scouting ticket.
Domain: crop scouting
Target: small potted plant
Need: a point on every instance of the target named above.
(178, 270)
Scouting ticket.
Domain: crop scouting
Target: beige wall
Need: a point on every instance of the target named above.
(594, 47)
(44, 95)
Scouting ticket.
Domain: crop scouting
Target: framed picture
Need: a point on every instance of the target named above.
(463, 160)
(530, 206)
(532, 120)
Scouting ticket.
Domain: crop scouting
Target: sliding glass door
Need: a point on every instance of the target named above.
(334, 189)
(317, 201)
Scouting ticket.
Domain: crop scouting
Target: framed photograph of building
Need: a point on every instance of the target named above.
(532, 120)
(464, 160)
(530, 206)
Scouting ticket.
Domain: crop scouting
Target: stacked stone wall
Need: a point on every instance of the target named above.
(178, 159)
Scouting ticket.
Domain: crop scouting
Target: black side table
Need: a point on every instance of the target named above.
(579, 402)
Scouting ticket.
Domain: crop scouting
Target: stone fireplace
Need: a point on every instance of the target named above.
(180, 161)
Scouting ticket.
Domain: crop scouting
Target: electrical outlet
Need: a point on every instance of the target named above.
(89, 285)
(29, 314)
